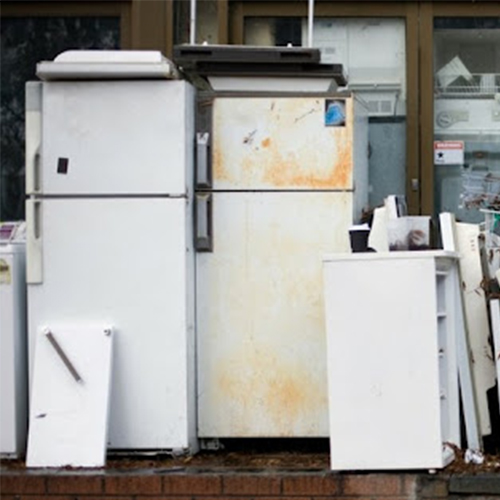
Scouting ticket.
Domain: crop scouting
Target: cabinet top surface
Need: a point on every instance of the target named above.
(372, 256)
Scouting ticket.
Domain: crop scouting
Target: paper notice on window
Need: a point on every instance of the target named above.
(448, 152)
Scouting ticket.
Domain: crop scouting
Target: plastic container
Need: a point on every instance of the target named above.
(409, 233)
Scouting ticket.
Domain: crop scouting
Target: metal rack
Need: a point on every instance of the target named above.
(479, 85)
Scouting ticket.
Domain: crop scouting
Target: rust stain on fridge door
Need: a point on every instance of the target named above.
(280, 144)
(289, 170)
(263, 330)
(273, 398)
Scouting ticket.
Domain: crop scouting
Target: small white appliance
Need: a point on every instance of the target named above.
(392, 322)
(109, 162)
(13, 340)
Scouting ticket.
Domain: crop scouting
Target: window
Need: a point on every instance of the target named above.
(24, 42)
(466, 112)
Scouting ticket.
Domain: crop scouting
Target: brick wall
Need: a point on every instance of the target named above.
(153, 485)
(166, 484)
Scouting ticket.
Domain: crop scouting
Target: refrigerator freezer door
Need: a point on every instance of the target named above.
(102, 266)
(283, 143)
(261, 338)
(116, 137)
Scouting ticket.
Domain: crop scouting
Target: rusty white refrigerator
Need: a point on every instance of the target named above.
(279, 182)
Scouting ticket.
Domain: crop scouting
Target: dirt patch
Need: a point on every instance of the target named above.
(256, 461)
(259, 455)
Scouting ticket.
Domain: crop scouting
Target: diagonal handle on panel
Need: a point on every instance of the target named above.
(62, 355)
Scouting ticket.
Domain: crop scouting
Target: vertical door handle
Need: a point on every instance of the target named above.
(33, 136)
(34, 247)
(203, 220)
(203, 164)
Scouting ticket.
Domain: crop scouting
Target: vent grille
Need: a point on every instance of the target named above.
(380, 107)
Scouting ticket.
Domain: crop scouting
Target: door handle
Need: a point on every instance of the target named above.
(203, 221)
(33, 136)
(34, 246)
(203, 164)
(64, 358)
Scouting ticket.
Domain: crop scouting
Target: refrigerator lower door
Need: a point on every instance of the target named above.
(260, 320)
(123, 262)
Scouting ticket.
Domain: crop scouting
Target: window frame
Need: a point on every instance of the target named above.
(428, 12)
(406, 10)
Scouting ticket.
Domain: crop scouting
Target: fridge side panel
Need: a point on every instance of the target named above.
(115, 137)
(260, 318)
(103, 266)
(190, 294)
(294, 143)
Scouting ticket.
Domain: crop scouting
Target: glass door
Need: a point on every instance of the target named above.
(466, 115)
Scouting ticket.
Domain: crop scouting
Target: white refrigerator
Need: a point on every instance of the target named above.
(13, 348)
(280, 179)
(109, 164)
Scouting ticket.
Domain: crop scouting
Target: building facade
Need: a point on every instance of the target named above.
(429, 72)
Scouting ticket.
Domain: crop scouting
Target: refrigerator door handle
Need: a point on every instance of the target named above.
(33, 136)
(203, 164)
(34, 247)
(36, 172)
(203, 221)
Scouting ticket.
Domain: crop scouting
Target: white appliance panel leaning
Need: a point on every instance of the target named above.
(70, 397)
(110, 241)
(285, 188)
(391, 322)
(13, 341)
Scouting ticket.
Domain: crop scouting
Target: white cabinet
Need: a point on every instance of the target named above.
(392, 370)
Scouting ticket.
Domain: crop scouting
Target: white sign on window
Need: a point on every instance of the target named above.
(448, 152)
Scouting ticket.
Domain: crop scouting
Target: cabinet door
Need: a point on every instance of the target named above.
(383, 363)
